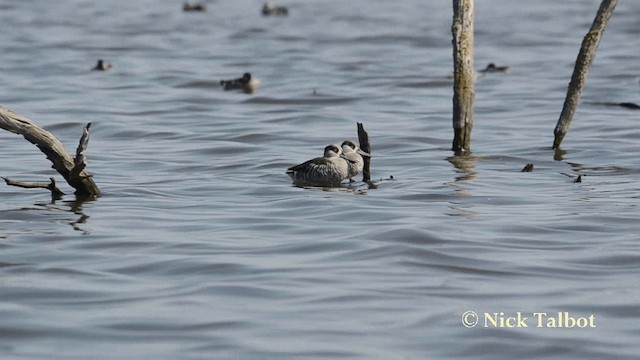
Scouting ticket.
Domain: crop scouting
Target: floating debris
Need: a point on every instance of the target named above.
(578, 179)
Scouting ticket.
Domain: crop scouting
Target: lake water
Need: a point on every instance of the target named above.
(200, 246)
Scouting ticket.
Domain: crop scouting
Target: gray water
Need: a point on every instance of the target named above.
(200, 246)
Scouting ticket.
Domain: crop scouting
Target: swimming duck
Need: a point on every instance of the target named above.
(269, 9)
(102, 66)
(329, 170)
(493, 68)
(353, 154)
(246, 83)
(193, 7)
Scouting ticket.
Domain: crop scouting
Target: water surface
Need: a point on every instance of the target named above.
(201, 247)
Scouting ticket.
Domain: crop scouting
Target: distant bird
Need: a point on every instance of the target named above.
(630, 105)
(188, 6)
(527, 168)
(329, 170)
(353, 154)
(246, 83)
(626, 105)
(492, 68)
(102, 66)
(269, 9)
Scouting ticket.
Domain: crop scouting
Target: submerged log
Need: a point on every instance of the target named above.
(363, 139)
(463, 74)
(585, 58)
(72, 169)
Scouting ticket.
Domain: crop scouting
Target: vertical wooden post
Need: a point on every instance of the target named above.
(463, 75)
(585, 58)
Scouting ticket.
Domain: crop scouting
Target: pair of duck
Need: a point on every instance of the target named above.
(338, 164)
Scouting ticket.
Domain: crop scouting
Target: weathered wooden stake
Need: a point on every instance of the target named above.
(585, 58)
(72, 169)
(363, 139)
(463, 74)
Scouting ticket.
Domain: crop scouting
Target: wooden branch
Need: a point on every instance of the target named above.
(80, 161)
(363, 139)
(71, 169)
(463, 74)
(55, 192)
(585, 58)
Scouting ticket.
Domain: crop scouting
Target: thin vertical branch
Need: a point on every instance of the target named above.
(363, 139)
(585, 58)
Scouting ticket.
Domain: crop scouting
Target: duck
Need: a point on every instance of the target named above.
(354, 156)
(329, 170)
(102, 66)
(246, 83)
(492, 68)
(269, 9)
(188, 6)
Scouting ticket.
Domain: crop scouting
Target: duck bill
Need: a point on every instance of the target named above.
(363, 153)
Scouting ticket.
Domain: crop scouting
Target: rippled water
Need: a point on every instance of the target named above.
(200, 246)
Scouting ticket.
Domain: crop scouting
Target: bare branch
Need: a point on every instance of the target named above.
(53, 149)
(80, 161)
(55, 192)
(363, 139)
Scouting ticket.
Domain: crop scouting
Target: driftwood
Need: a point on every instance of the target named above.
(463, 74)
(585, 58)
(363, 139)
(51, 186)
(72, 169)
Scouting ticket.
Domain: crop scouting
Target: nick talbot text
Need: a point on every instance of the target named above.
(538, 319)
